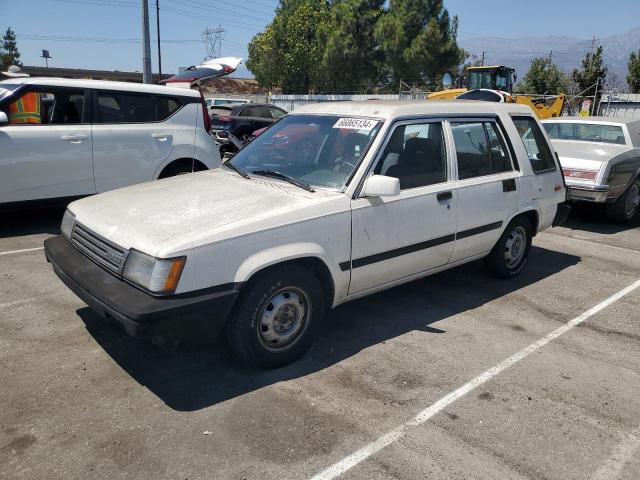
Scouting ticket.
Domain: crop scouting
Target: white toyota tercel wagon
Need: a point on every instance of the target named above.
(61, 139)
(333, 202)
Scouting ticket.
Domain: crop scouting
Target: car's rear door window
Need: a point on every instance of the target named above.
(535, 143)
(480, 149)
(118, 107)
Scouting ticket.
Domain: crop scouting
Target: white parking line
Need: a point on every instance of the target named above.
(15, 302)
(591, 242)
(24, 250)
(397, 433)
(621, 455)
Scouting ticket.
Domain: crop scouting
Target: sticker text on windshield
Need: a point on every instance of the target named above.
(355, 124)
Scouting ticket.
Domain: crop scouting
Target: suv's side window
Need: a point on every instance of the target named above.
(538, 150)
(416, 155)
(167, 106)
(47, 106)
(117, 107)
(248, 112)
(480, 149)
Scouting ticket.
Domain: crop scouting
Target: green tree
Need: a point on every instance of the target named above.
(288, 54)
(544, 78)
(9, 54)
(593, 71)
(633, 77)
(351, 59)
(418, 39)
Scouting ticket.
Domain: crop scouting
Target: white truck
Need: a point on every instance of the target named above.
(260, 249)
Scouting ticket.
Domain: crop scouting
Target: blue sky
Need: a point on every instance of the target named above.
(104, 34)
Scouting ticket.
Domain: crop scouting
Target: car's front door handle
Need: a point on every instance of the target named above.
(442, 196)
(74, 138)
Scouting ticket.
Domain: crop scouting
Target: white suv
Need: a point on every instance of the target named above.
(383, 193)
(89, 136)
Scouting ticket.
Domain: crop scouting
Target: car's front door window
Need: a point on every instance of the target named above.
(47, 107)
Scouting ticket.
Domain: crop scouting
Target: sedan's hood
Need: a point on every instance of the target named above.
(175, 214)
(585, 155)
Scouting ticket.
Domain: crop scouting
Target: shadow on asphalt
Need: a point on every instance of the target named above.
(591, 218)
(19, 223)
(196, 378)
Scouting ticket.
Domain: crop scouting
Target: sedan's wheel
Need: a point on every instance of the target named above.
(626, 206)
(509, 255)
(277, 317)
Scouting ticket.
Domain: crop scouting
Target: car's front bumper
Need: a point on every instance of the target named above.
(587, 193)
(170, 319)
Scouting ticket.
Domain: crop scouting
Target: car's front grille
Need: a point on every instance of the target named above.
(99, 249)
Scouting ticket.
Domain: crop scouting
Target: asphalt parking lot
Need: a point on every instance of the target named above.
(410, 383)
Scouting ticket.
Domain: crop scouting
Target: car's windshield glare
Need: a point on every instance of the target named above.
(585, 132)
(321, 150)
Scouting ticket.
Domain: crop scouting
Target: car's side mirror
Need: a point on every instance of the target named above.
(3, 118)
(381, 186)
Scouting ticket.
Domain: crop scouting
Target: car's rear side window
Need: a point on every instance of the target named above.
(480, 149)
(538, 150)
(118, 107)
(167, 106)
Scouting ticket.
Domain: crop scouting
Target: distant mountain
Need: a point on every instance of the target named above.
(566, 52)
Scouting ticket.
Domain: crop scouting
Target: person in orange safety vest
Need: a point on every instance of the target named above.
(26, 109)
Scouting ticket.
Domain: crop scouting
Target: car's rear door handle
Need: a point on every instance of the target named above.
(74, 138)
(442, 196)
(160, 136)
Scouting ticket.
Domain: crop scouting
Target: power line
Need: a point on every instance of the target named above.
(195, 4)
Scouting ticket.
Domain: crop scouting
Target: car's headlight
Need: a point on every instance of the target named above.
(159, 275)
(67, 223)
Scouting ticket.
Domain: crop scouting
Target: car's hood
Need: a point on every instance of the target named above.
(585, 155)
(173, 215)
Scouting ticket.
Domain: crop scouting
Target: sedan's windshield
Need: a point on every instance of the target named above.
(585, 132)
(318, 150)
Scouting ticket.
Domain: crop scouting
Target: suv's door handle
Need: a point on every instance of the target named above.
(160, 136)
(442, 196)
(74, 138)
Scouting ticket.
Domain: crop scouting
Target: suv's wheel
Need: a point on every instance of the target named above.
(509, 255)
(277, 317)
(626, 206)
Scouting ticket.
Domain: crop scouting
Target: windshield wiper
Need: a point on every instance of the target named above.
(241, 172)
(286, 178)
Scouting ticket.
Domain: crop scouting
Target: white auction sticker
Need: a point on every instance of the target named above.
(355, 124)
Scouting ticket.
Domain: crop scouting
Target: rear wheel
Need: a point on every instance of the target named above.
(509, 255)
(178, 168)
(626, 206)
(277, 317)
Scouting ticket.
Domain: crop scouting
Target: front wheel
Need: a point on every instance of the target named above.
(509, 255)
(626, 206)
(277, 317)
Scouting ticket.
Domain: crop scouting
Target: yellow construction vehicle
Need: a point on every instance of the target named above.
(495, 83)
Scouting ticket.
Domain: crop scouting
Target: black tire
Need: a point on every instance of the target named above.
(252, 338)
(177, 169)
(501, 262)
(621, 210)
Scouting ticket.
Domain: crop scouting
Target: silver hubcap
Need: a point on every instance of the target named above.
(633, 200)
(283, 318)
(515, 246)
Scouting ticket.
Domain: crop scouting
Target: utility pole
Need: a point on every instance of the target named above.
(212, 38)
(158, 29)
(482, 59)
(146, 44)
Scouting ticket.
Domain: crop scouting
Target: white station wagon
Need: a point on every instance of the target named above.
(383, 193)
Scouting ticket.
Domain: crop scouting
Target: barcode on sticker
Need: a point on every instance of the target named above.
(355, 123)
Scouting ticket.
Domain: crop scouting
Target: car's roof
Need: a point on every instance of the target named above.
(603, 120)
(388, 109)
(102, 84)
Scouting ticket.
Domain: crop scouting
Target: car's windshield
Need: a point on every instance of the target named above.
(585, 132)
(320, 150)
(7, 89)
